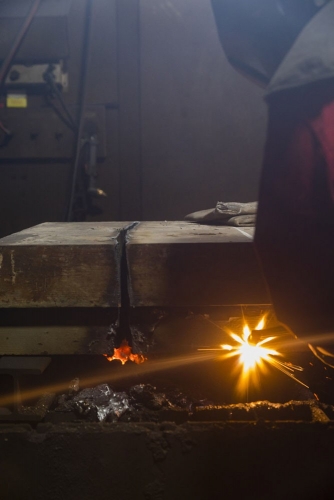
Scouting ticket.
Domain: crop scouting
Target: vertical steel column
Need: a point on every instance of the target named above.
(128, 27)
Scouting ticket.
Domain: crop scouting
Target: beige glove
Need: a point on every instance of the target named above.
(227, 214)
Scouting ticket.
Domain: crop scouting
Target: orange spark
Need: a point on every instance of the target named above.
(124, 353)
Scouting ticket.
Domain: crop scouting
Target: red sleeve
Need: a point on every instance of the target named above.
(295, 224)
(323, 128)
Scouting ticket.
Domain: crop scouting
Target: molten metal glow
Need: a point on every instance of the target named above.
(124, 354)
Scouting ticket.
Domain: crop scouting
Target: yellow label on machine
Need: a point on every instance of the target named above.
(17, 101)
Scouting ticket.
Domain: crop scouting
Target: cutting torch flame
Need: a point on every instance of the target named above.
(254, 357)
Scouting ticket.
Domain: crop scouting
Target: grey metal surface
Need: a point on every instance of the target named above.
(22, 365)
(39, 133)
(22, 75)
(48, 27)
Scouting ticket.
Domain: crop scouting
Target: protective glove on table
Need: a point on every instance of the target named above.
(227, 214)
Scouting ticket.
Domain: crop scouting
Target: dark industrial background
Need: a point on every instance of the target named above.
(178, 129)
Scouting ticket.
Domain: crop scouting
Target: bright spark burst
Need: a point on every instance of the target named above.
(254, 357)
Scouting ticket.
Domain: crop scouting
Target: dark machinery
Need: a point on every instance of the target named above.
(37, 123)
